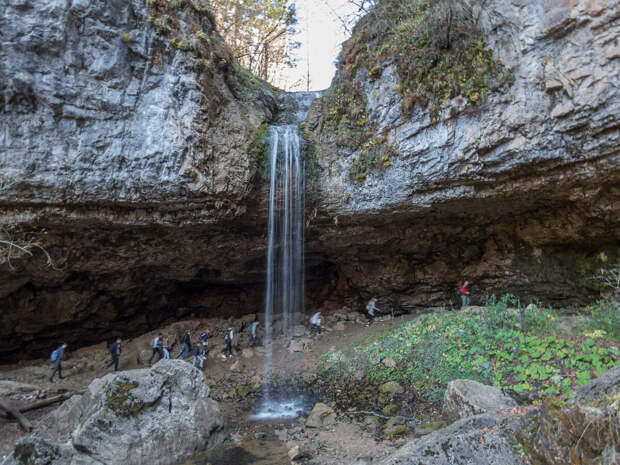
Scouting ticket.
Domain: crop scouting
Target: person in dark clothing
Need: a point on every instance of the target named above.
(199, 355)
(185, 344)
(253, 335)
(464, 295)
(228, 339)
(156, 346)
(204, 337)
(115, 352)
(60, 355)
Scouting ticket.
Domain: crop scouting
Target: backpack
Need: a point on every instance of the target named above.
(54, 355)
(228, 336)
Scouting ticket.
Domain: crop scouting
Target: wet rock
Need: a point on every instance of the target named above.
(391, 409)
(159, 416)
(297, 346)
(395, 427)
(391, 387)
(340, 326)
(428, 428)
(487, 439)
(321, 416)
(464, 398)
(371, 423)
(299, 452)
(299, 331)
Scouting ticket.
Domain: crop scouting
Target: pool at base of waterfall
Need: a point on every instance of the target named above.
(255, 452)
(287, 408)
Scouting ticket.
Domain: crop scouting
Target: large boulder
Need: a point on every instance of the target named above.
(481, 440)
(321, 416)
(464, 398)
(156, 416)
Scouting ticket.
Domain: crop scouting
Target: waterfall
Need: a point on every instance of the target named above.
(285, 277)
(284, 293)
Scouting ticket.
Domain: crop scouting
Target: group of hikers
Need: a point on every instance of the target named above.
(160, 344)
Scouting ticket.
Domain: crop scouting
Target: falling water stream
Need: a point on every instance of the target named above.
(284, 292)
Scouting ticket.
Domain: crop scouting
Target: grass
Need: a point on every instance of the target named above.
(488, 346)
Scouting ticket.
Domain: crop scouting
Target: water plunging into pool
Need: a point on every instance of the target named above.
(284, 292)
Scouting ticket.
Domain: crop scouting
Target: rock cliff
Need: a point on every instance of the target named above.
(124, 153)
(517, 192)
(129, 148)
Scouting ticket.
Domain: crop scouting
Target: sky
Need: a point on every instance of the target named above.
(321, 36)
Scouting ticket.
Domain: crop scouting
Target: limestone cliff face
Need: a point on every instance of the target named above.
(124, 152)
(518, 193)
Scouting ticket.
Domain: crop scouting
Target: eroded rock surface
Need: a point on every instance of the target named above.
(518, 193)
(464, 398)
(481, 440)
(159, 416)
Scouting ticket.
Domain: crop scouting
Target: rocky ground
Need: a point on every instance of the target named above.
(234, 384)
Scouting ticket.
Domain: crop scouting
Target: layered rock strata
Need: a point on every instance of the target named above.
(128, 150)
(518, 193)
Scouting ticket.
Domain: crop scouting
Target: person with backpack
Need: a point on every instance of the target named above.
(199, 355)
(315, 324)
(372, 311)
(185, 344)
(57, 357)
(165, 349)
(204, 338)
(228, 339)
(155, 345)
(464, 294)
(253, 335)
(115, 352)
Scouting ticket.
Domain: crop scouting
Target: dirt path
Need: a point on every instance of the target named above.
(24, 382)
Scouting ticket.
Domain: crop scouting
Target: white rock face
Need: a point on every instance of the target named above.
(157, 416)
(558, 123)
(99, 107)
(464, 398)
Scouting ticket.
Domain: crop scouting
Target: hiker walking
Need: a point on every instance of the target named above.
(155, 345)
(464, 295)
(315, 324)
(115, 352)
(57, 357)
(372, 311)
(164, 349)
(253, 336)
(228, 339)
(204, 338)
(185, 344)
(199, 355)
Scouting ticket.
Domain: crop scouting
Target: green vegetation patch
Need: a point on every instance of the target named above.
(259, 151)
(488, 346)
(438, 49)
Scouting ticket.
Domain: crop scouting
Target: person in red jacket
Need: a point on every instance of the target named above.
(465, 295)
